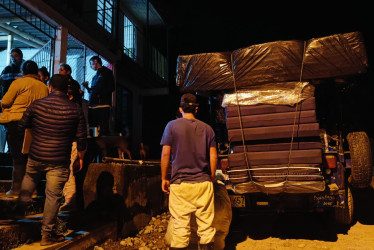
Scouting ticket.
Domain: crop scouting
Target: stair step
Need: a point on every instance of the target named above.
(5, 186)
(81, 232)
(8, 204)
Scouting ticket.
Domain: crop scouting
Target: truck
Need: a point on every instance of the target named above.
(276, 150)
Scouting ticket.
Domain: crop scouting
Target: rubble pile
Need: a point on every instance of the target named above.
(150, 237)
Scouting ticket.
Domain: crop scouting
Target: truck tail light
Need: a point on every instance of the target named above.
(330, 161)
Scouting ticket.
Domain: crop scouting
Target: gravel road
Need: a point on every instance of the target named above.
(305, 231)
(288, 231)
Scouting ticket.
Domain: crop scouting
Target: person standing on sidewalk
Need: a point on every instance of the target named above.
(56, 122)
(192, 145)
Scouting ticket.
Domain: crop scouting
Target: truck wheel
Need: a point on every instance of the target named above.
(344, 216)
(361, 160)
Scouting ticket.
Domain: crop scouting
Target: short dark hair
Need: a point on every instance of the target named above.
(66, 67)
(30, 67)
(188, 103)
(44, 71)
(97, 58)
(18, 51)
(59, 82)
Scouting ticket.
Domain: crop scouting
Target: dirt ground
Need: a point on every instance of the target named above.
(287, 231)
(306, 231)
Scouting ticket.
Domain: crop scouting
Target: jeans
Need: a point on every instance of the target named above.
(15, 143)
(3, 132)
(56, 175)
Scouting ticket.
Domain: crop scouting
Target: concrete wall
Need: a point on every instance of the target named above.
(137, 188)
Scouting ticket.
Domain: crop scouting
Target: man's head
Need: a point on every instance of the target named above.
(189, 103)
(95, 62)
(59, 82)
(17, 56)
(65, 69)
(30, 68)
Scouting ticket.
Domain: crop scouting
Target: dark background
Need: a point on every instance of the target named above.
(214, 26)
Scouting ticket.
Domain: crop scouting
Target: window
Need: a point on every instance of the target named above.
(129, 41)
(158, 63)
(105, 14)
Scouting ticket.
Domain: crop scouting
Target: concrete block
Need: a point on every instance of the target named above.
(137, 188)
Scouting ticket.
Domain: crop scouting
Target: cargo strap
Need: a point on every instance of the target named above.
(295, 117)
(240, 121)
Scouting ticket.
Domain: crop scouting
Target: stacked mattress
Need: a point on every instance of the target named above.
(274, 142)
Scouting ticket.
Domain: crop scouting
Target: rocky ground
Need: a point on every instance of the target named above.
(306, 231)
(150, 237)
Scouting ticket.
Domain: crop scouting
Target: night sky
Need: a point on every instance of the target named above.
(215, 26)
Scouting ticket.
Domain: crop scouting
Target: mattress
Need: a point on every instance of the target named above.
(246, 110)
(308, 156)
(274, 132)
(265, 120)
(277, 147)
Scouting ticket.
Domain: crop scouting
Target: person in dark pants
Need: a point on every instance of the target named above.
(56, 122)
(10, 73)
(194, 161)
(19, 96)
(100, 101)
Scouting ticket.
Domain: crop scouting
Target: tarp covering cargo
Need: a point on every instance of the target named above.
(207, 71)
(281, 61)
(287, 93)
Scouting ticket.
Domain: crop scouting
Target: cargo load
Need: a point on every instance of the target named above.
(281, 61)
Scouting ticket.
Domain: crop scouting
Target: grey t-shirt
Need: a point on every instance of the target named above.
(190, 140)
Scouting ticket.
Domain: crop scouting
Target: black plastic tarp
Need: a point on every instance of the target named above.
(281, 61)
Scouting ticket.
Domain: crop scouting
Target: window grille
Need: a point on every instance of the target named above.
(105, 14)
(78, 57)
(129, 39)
(158, 63)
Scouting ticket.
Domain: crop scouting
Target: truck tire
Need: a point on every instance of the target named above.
(361, 159)
(344, 216)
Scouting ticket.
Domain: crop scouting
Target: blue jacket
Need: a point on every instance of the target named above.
(55, 122)
(102, 86)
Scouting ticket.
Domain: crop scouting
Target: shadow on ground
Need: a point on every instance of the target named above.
(310, 226)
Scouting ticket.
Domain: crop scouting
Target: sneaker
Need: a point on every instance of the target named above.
(12, 193)
(67, 207)
(51, 238)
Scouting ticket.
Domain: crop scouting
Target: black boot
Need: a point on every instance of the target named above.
(51, 238)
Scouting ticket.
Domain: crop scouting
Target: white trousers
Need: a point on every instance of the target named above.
(70, 186)
(191, 198)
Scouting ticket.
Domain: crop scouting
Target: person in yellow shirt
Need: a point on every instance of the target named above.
(21, 93)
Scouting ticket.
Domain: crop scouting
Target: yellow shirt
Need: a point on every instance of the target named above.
(21, 93)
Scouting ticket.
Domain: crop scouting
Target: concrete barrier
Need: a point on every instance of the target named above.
(131, 192)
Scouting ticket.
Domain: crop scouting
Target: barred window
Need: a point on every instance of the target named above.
(105, 14)
(129, 38)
